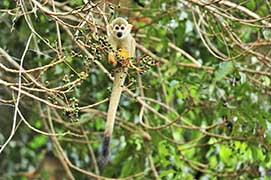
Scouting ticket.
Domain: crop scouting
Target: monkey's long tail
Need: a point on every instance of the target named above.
(119, 79)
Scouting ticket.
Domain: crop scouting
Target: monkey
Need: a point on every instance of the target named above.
(123, 45)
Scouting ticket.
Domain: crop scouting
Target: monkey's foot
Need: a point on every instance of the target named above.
(112, 60)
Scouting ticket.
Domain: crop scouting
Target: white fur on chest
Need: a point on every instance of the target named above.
(120, 43)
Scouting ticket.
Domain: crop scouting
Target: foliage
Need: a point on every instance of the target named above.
(201, 111)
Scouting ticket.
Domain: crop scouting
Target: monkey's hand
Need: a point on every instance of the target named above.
(121, 56)
(123, 53)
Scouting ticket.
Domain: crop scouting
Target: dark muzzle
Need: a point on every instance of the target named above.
(119, 34)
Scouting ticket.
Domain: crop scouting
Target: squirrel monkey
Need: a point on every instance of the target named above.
(123, 44)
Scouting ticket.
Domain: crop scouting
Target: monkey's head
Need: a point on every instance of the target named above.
(120, 28)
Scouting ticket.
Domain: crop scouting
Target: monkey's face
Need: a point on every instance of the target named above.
(121, 31)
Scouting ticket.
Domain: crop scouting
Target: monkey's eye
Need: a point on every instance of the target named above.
(122, 27)
(117, 27)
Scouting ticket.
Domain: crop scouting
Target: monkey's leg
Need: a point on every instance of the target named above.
(112, 60)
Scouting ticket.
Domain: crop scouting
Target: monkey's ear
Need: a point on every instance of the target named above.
(130, 26)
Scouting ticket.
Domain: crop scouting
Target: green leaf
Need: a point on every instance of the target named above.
(168, 172)
(127, 168)
(257, 154)
(162, 149)
(225, 153)
(213, 162)
(267, 34)
(171, 71)
(225, 69)
(266, 81)
(177, 134)
(38, 124)
(38, 141)
(251, 4)
(6, 3)
(58, 69)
